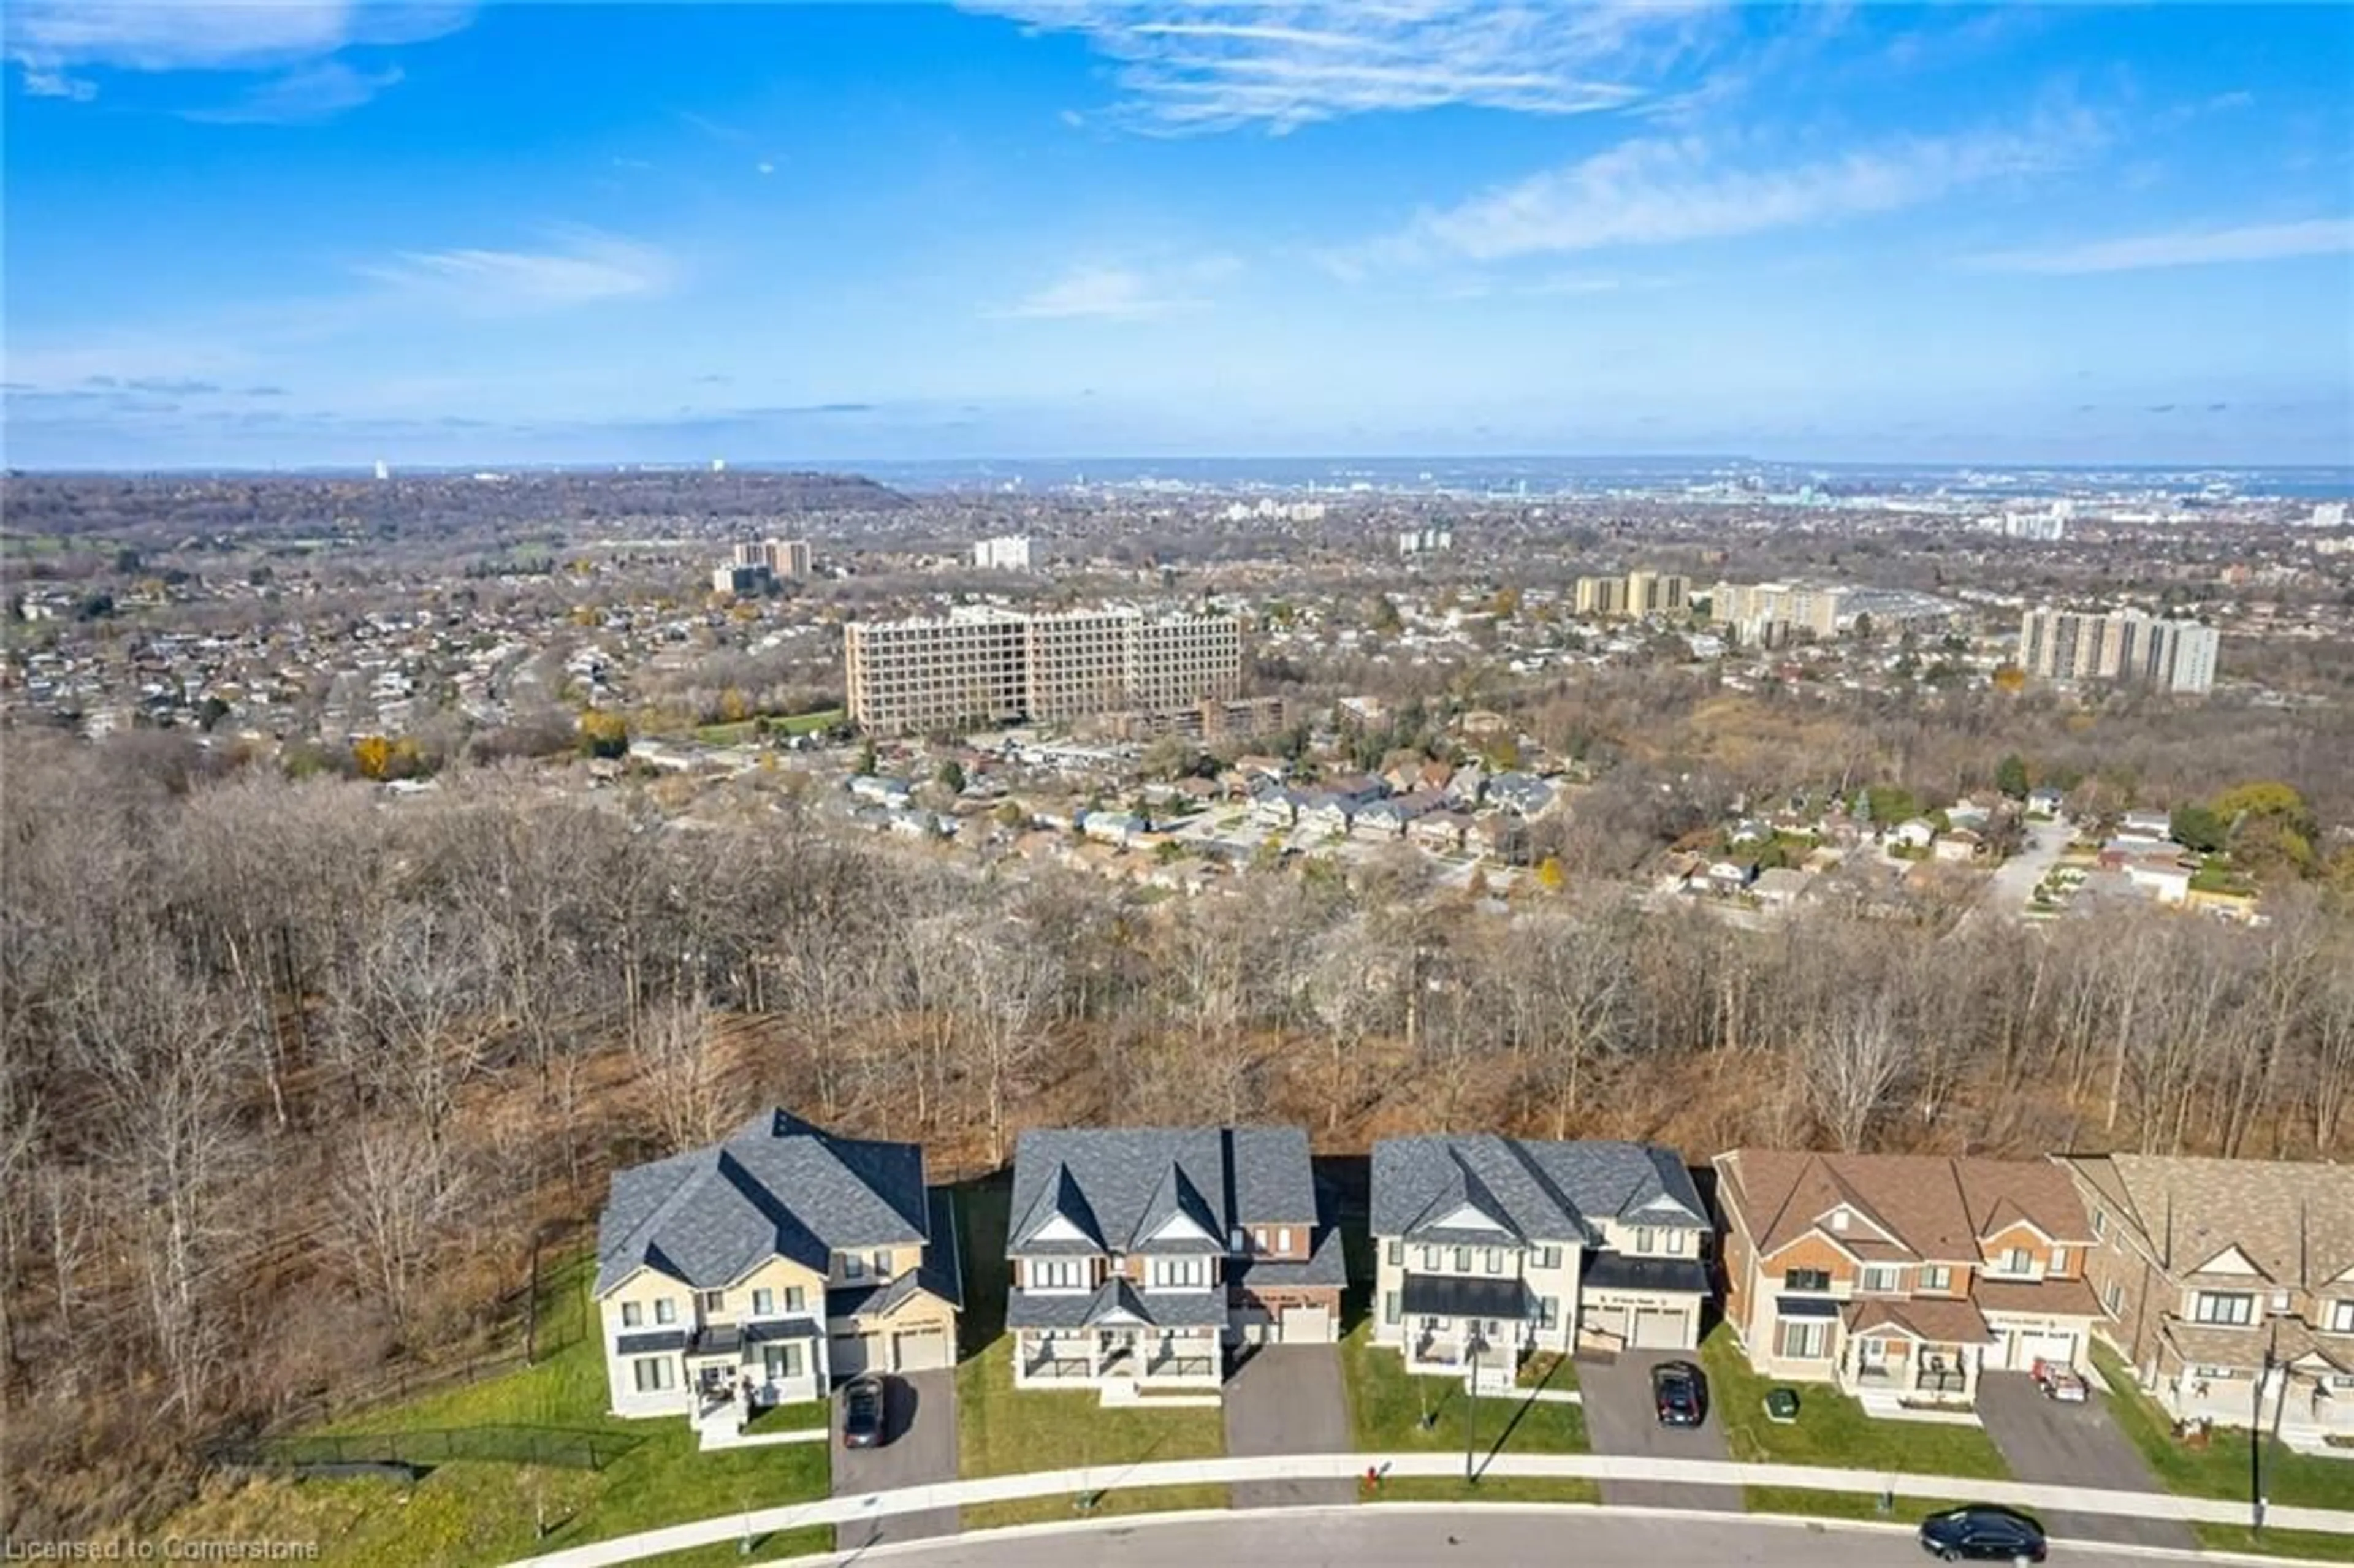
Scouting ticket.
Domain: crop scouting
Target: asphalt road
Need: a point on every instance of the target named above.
(1377, 1536)
(2007, 890)
(2074, 1445)
(921, 1422)
(1620, 1419)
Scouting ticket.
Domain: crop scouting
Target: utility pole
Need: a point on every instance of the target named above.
(1472, 1411)
(2256, 1446)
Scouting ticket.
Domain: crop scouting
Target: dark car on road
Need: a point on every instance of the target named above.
(1680, 1393)
(862, 1412)
(1982, 1534)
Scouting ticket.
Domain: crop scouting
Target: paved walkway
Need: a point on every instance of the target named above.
(1324, 1467)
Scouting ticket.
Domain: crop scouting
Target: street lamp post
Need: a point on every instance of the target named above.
(2257, 1448)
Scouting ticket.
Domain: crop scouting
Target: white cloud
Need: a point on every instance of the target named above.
(1122, 293)
(764, 166)
(1209, 67)
(305, 94)
(49, 38)
(2182, 248)
(591, 269)
(1663, 191)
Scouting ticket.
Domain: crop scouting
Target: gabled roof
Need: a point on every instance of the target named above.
(1121, 1187)
(775, 1187)
(1935, 1209)
(2293, 1221)
(1540, 1191)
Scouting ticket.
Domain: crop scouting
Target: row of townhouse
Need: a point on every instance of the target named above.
(784, 1259)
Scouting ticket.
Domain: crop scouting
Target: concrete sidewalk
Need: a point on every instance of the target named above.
(1329, 1467)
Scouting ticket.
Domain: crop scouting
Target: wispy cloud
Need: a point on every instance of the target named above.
(1662, 191)
(1211, 67)
(1121, 294)
(51, 40)
(301, 96)
(591, 268)
(2182, 248)
(717, 130)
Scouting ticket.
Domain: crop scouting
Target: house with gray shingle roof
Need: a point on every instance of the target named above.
(1488, 1249)
(768, 1266)
(1138, 1255)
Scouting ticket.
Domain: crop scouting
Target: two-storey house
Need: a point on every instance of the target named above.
(1488, 1248)
(1138, 1254)
(768, 1267)
(1902, 1278)
(2229, 1286)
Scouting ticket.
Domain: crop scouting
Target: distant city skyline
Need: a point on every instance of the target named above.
(313, 233)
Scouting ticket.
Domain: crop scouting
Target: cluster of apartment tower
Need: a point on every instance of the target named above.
(1635, 594)
(2125, 645)
(989, 665)
(1145, 1261)
(756, 564)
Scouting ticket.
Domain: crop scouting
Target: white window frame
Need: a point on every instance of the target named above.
(852, 1266)
(1880, 1279)
(1814, 1337)
(764, 1303)
(1644, 1238)
(2341, 1317)
(634, 1315)
(1937, 1277)
(1055, 1276)
(1492, 1261)
(2225, 1309)
(1177, 1273)
(796, 1298)
(1283, 1239)
(665, 1310)
(707, 1303)
(881, 1263)
(653, 1374)
(1676, 1240)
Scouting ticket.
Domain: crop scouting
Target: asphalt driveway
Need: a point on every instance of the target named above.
(921, 1420)
(1289, 1399)
(2077, 1445)
(1621, 1419)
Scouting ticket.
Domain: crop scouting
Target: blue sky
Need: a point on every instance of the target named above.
(308, 232)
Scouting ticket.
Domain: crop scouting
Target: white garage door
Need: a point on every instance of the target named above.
(1659, 1330)
(2027, 1349)
(920, 1350)
(1609, 1322)
(848, 1355)
(1306, 1326)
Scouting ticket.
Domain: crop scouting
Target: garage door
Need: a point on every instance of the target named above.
(1307, 1326)
(1659, 1330)
(1607, 1322)
(918, 1350)
(847, 1355)
(2027, 1349)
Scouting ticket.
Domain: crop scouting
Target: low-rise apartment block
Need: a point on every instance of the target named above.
(2229, 1286)
(1902, 1277)
(1138, 1256)
(768, 1266)
(1490, 1248)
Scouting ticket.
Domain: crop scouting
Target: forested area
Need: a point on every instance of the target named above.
(293, 1076)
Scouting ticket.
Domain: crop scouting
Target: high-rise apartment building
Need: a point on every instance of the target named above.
(1008, 554)
(756, 563)
(2127, 645)
(1748, 608)
(987, 665)
(1638, 593)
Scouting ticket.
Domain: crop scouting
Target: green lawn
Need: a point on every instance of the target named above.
(1004, 1431)
(1494, 1488)
(2305, 1544)
(739, 731)
(467, 1512)
(2221, 1469)
(806, 1415)
(1842, 1505)
(1831, 1428)
(1386, 1406)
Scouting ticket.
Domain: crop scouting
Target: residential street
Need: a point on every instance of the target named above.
(1377, 1536)
(2007, 890)
(2072, 1444)
(922, 1424)
(1619, 1419)
(1289, 1399)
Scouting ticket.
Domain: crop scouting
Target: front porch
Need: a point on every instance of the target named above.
(1140, 1358)
(1452, 1325)
(733, 1372)
(1907, 1369)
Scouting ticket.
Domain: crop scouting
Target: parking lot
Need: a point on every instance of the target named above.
(1621, 1419)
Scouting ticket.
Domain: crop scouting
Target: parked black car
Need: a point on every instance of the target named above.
(1680, 1393)
(862, 1412)
(1982, 1533)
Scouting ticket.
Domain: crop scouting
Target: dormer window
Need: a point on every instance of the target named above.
(1055, 1274)
(2341, 1317)
(1644, 1237)
(2015, 1262)
(1676, 1241)
(1179, 1274)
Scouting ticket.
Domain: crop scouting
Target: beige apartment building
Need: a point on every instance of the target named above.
(785, 559)
(1751, 608)
(2125, 645)
(1638, 593)
(995, 666)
